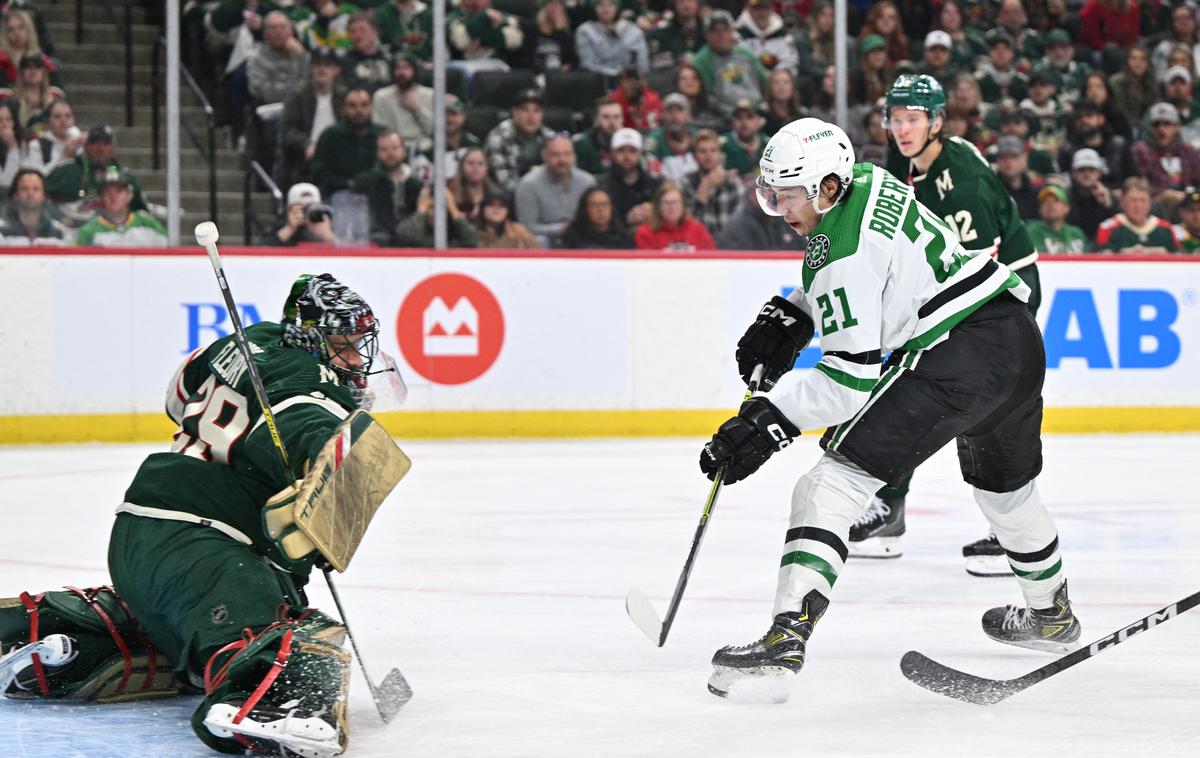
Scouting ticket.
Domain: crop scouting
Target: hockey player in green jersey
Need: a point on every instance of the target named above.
(951, 178)
(203, 598)
(884, 276)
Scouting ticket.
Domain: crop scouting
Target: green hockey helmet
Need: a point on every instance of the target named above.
(319, 307)
(916, 92)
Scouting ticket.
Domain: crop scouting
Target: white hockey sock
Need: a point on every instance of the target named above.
(825, 502)
(1027, 533)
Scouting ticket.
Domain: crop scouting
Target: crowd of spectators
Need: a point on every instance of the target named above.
(602, 123)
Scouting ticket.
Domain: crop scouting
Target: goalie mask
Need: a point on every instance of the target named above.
(329, 320)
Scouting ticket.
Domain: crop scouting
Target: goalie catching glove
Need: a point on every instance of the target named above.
(746, 441)
(775, 339)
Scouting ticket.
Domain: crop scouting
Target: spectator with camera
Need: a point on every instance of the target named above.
(390, 187)
(306, 219)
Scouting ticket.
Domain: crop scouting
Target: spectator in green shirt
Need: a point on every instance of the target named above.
(745, 144)
(1187, 232)
(1052, 234)
(1135, 228)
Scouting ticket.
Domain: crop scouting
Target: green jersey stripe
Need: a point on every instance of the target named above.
(810, 561)
(1038, 575)
(847, 380)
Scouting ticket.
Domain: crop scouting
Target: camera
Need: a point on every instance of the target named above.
(316, 212)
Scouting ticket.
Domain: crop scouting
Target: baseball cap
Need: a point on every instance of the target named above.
(938, 38)
(676, 100)
(719, 17)
(1053, 190)
(1010, 145)
(626, 137)
(1088, 158)
(1160, 112)
(454, 103)
(871, 43)
(996, 36)
(747, 105)
(324, 55)
(1191, 196)
(303, 192)
(1057, 37)
(528, 95)
(1171, 74)
(100, 133)
(114, 175)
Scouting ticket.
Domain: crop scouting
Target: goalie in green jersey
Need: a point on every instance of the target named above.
(951, 178)
(204, 599)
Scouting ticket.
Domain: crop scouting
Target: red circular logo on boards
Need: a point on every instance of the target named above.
(450, 328)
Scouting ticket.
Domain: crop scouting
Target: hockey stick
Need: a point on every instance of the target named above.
(393, 692)
(637, 605)
(944, 680)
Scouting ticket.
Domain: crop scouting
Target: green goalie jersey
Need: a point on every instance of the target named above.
(961, 188)
(223, 465)
(882, 273)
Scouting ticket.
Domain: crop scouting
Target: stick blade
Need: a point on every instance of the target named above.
(936, 677)
(637, 605)
(391, 695)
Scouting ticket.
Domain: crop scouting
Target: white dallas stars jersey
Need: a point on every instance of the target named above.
(882, 273)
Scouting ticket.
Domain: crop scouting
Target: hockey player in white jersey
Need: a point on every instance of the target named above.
(885, 278)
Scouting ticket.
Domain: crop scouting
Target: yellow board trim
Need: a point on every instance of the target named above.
(152, 427)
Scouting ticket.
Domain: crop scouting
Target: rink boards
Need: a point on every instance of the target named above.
(499, 344)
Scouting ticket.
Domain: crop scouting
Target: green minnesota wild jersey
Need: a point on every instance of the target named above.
(882, 273)
(223, 465)
(961, 188)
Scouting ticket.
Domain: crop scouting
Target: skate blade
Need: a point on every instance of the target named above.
(988, 565)
(1045, 646)
(876, 547)
(751, 686)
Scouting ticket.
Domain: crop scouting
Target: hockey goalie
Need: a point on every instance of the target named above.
(209, 554)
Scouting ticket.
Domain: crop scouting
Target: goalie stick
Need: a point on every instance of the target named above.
(394, 691)
(637, 605)
(944, 680)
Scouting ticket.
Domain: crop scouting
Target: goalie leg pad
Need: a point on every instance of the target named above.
(110, 658)
(825, 502)
(282, 691)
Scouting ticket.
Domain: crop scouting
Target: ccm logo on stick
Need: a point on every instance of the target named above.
(1138, 626)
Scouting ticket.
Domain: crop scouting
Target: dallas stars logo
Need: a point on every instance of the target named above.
(818, 251)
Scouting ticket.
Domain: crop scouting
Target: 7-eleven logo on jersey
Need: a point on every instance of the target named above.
(451, 331)
(450, 328)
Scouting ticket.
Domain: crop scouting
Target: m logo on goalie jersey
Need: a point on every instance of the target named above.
(818, 251)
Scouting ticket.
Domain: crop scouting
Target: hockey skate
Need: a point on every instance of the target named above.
(16, 666)
(985, 557)
(760, 671)
(1054, 630)
(287, 731)
(877, 532)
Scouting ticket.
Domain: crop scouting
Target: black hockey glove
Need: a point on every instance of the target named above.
(775, 338)
(747, 440)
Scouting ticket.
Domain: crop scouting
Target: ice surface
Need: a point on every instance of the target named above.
(496, 575)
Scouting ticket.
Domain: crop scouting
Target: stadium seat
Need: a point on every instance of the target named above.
(561, 119)
(499, 88)
(481, 119)
(578, 90)
(454, 80)
(523, 9)
(661, 80)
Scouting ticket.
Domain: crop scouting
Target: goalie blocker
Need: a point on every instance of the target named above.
(330, 509)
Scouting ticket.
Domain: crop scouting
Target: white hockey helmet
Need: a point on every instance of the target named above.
(802, 154)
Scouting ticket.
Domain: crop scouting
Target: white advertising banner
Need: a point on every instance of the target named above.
(102, 334)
